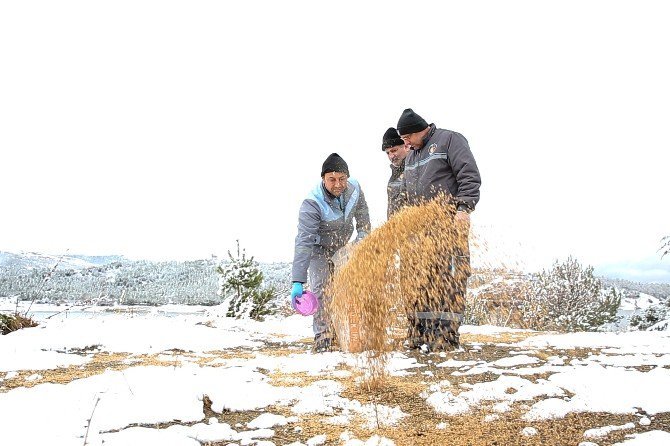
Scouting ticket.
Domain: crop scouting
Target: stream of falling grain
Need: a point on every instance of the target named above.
(387, 274)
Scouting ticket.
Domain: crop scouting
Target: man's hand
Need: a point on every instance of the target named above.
(462, 220)
(462, 227)
(296, 292)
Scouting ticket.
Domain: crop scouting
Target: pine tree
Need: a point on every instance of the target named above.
(242, 276)
(262, 303)
(570, 298)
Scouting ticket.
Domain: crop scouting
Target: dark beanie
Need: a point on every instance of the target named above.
(391, 139)
(410, 122)
(334, 163)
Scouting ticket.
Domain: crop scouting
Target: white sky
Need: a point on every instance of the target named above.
(137, 395)
(167, 129)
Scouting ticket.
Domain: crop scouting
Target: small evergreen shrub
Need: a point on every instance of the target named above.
(263, 303)
(569, 298)
(651, 317)
(240, 281)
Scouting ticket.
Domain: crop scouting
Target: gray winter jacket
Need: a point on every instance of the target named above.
(444, 164)
(393, 190)
(325, 224)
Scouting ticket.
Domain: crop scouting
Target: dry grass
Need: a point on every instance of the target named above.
(99, 363)
(13, 322)
(103, 361)
(420, 427)
(507, 337)
(235, 353)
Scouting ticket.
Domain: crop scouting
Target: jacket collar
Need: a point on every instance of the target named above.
(397, 170)
(428, 135)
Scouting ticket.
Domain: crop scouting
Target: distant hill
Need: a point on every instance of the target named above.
(630, 288)
(29, 261)
(113, 278)
(99, 260)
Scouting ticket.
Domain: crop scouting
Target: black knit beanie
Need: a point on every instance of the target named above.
(391, 139)
(334, 163)
(410, 122)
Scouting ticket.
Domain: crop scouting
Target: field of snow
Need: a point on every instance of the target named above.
(189, 376)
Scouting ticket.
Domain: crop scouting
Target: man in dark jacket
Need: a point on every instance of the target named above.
(325, 224)
(396, 150)
(440, 165)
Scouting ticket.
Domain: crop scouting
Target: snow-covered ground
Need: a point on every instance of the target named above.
(642, 302)
(171, 364)
(632, 306)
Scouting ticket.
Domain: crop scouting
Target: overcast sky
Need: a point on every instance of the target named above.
(165, 129)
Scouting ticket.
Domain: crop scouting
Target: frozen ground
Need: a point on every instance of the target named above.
(188, 376)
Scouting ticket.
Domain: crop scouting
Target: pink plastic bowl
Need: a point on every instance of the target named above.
(307, 304)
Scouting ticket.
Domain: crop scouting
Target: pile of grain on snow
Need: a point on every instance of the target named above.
(388, 272)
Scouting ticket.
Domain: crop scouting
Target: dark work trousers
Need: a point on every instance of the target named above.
(320, 275)
(439, 313)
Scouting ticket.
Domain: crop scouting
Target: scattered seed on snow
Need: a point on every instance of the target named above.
(605, 430)
(266, 421)
(317, 440)
(529, 431)
(502, 407)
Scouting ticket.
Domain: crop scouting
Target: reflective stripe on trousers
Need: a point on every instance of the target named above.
(440, 315)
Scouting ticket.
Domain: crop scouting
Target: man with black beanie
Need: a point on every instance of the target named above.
(325, 224)
(334, 163)
(441, 166)
(396, 150)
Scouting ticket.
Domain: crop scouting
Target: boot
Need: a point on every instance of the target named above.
(322, 345)
(415, 338)
(447, 342)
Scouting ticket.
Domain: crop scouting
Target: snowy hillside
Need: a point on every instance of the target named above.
(641, 302)
(78, 281)
(113, 280)
(29, 261)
